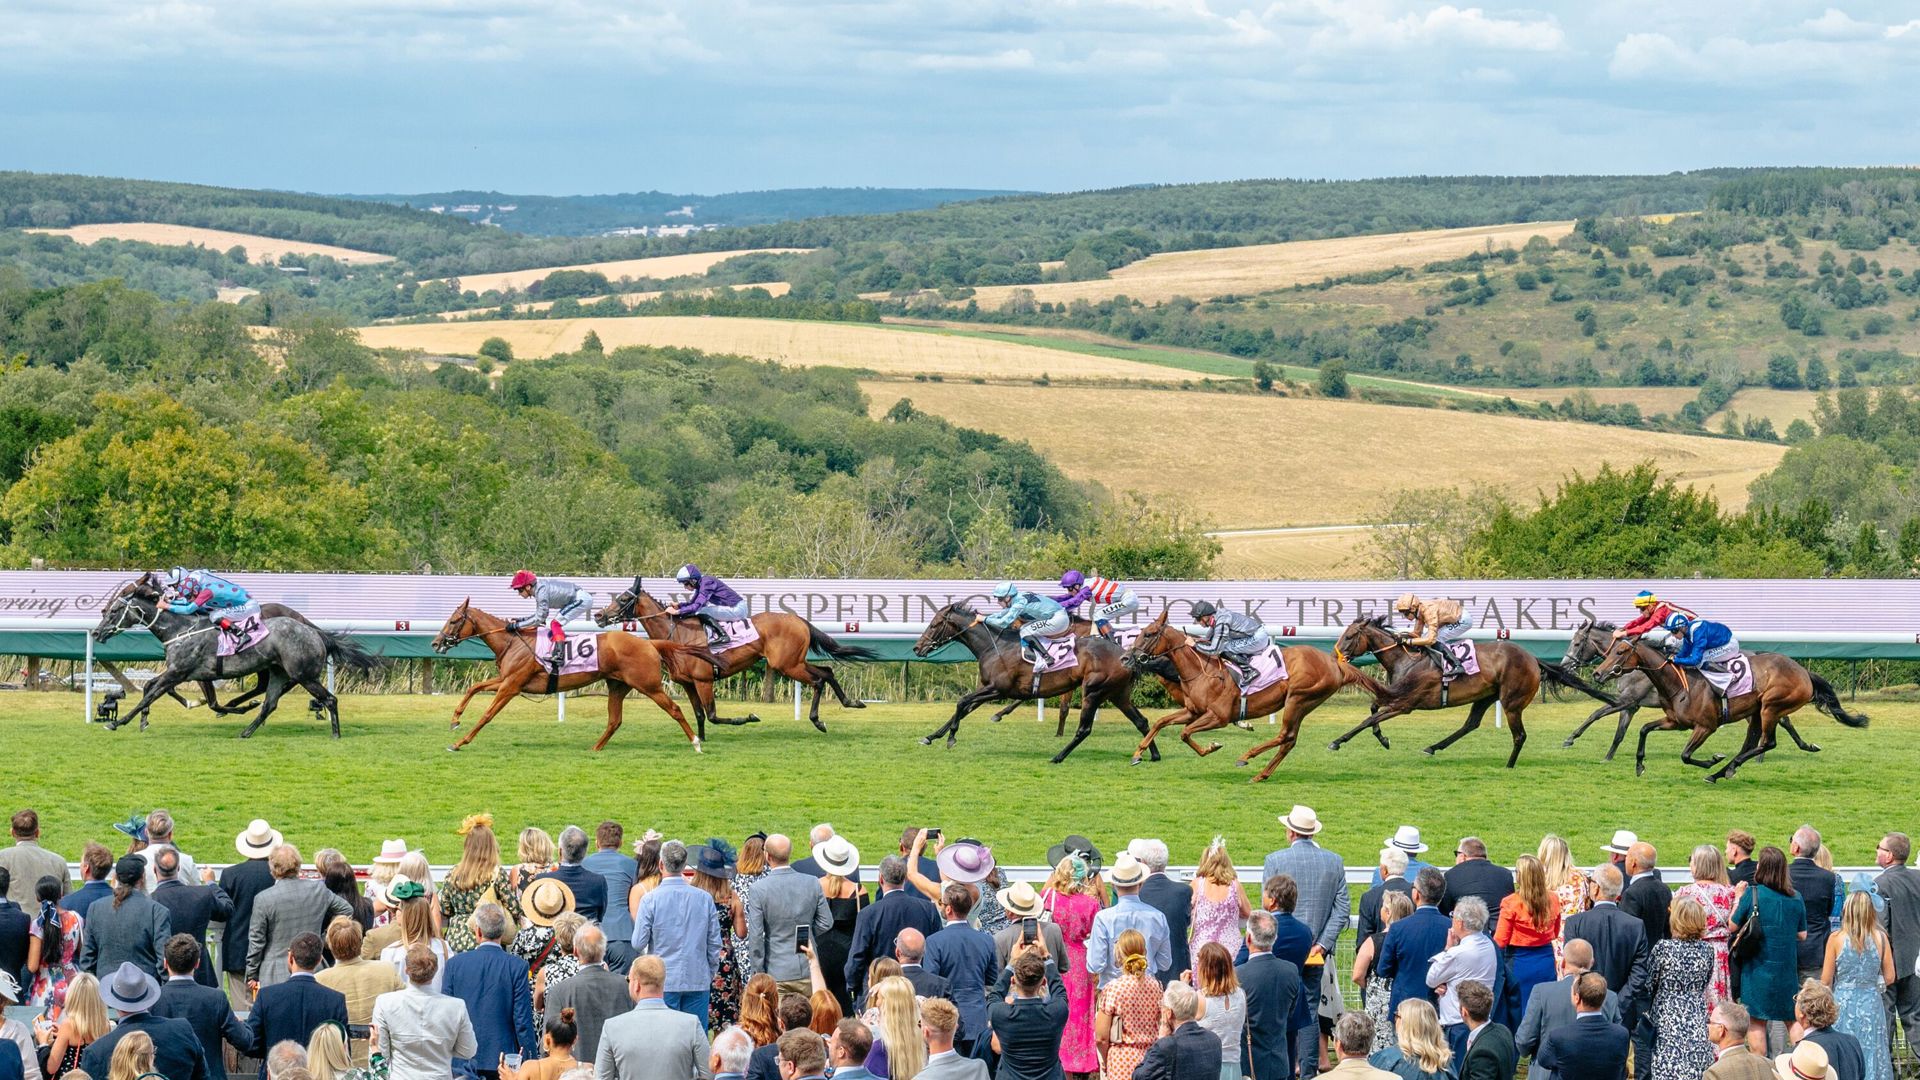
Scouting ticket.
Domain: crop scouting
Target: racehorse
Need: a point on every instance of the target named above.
(152, 586)
(1780, 687)
(1004, 673)
(1508, 674)
(1210, 698)
(625, 661)
(784, 640)
(294, 652)
(1632, 691)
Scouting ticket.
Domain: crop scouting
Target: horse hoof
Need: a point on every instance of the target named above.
(1718, 758)
(697, 748)
(1240, 764)
(926, 742)
(1568, 745)
(453, 749)
(1135, 761)
(1431, 751)
(856, 703)
(1335, 745)
(1243, 725)
(819, 727)
(1813, 748)
(1212, 747)
(950, 741)
(994, 719)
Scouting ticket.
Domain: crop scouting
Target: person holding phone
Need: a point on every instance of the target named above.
(1023, 905)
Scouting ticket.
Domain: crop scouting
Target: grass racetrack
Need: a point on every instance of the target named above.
(392, 776)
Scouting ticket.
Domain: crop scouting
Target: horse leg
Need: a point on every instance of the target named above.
(506, 690)
(1066, 703)
(1132, 712)
(321, 694)
(817, 678)
(1620, 734)
(847, 701)
(1475, 713)
(1787, 723)
(1374, 719)
(1178, 716)
(1760, 739)
(236, 705)
(658, 695)
(1604, 710)
(1088, 707)
(617, 692)
(162, 685)
(276, 686)
(1693, 744)
(486, 684)
(1665, 723)
(1518, 727)
(1005, 712)
(951, 729)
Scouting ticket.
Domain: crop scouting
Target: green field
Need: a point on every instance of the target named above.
(391, 776)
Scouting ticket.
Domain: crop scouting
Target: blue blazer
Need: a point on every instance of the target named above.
(176, 1049)
(966, 958)
(878, 924)
(1407, 951)
(493, 983)
(589, 891)
(291, 1010)
(1266, 1043)
(1585, 1049)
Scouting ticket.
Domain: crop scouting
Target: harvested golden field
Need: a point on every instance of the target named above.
(1782, 407)
(1251, 462)
(790, 341)
(1325, 553)
(1241, 271)
(632, 299)
(258, 247)
(660, 266)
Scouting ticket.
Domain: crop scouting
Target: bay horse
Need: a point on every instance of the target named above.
(784, 640)
(1210, 698)
(1780, 687)
(1632, 691)
(1508, 674)
(1004, 673)
(624, 661)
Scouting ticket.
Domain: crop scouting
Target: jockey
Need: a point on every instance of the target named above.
(713, 601)
(1436, 623)
(1039, 617)
(1235, 638)
(555, 602)
(1655, 613)
(1110, 599)
(1704, 645)
(197, 592)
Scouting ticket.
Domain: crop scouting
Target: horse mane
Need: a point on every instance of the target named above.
(961, 607)
(1377, 620)
(1602, 626)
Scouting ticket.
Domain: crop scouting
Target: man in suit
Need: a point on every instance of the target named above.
(204, 1007)
(1490, 1053)
(1550, 1007)
(1272, 985)
(1169, 898)
(243, 882)
(847, 1050)
(125, 927)
(810, 866)
(1739, 857)
(494, 984)
(159, 841)
(1646, 898)
(731, 1054)
(360, 980)
(190, 907)
(1899, 886)
(1021, 903)
(589, 888)
(1815, 887)
(910, 948)
(618, 869)
(875, 927)
(964, 957)
(27, 862)
(781, 901)
(133, 994)
(595, 993)
(15, 925)
(1592, 1047)
(1727, 1026)
(1323, 905)
(1393, 878)
(1028, 1016)
(939, 1019)
(1619, 941)
(96, 865)
(1413, 942)
(1815, 1011)
(1187, 1051)
(651, 1041)
(1473, 874)
(290, 908)
(289, 1010)
(1352, 1039)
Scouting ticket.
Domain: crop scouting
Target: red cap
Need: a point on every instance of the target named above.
(523, 579)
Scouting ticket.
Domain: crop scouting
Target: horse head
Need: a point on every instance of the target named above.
(1625, 655)
(459, 626)
(136, 605)
(947, 624)
(1157, 639)
(1363, 636)
(1588, 643)
(623, 605)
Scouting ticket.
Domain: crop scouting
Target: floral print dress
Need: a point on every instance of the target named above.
(50, 982)
(723, 1007)
(1717, 901)
(743, 888)
(1134, 1002)
(457, 906)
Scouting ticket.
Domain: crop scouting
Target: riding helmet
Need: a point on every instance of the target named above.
(1645, 598)
(687, 573)
(1072, 579)
(1202, 609)
(1677, 622)
(1005, 591)
(1406, 603)
(523, 579)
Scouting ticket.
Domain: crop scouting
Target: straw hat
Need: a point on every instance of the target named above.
(837, 856)
(1302, 820)
(391, 852)
(258, 839)
(1622, 840)
(546, 899)
(1807, 1062)
(1020, 900)
(1127, 872)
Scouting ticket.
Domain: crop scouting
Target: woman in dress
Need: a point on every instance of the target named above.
(1377, 992)
(1709, 889)
(1224, 1002)
(327, 1055)
(563, 962)
(544, 900)
(1682, 969)
(1071, 903)
(839, 859)
(1529, 925)
(478, 878)
(646, 876)
(342, 882)
(751, 867)
(1422, 1053)
(1769, 979)
(416, 928)
(561, 1033)
(1127, 1021)
(899, 1050)
(1859, 967)
(536, 858)
(54, 940)
(1567, 882)
(1220, 907)
(712, 866)
(83, 1020)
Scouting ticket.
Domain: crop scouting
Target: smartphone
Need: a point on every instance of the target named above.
(1029, 930)
(802, 936)
(932, 835)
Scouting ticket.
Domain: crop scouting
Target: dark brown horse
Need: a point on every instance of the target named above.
(1780, 687)
(1509, 675)
(1210, 698)
(784, 640)
(1004, 673)
(625, 661)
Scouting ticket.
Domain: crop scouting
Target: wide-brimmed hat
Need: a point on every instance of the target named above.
(965, 861)
(712, 860)
(257, 839)
(1127, 871)
(546, 899)
(130, 990)
(837, 855)
(1622, 840)
(9, 988)
(1302, 820)
(391, 852)
(1074, 845)
(135, 826)
(1807, 1062)
(1407, 839)
(1020, 900)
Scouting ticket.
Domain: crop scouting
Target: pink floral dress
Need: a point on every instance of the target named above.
(1073, 913)
(1717, 901)
(1215, 921)
(50, 982)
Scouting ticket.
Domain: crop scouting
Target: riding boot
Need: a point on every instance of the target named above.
(1243, 672)
(1031, 652)
(712, 626)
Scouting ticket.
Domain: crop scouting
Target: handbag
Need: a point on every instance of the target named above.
(1748, 937)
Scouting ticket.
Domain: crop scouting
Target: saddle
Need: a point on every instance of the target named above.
(722, 636)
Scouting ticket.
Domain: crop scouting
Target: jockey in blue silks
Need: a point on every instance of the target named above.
(1039, 617)
(1705, 646)
(202, 592)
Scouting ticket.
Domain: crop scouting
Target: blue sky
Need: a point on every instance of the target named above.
(567, 96)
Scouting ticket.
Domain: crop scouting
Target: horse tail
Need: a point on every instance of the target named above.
(1827, 700)
(1557, 676)
(348, 653)
(821, 642)
(1353, 676)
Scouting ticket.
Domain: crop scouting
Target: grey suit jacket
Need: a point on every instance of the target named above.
(653, 1042)
(954, 1067)
(781, 901)
(1548, 1007)
(136, 931)
(596, 995)
(290, 908)
(1005, 940)
(1322, 879)
(1900, 886)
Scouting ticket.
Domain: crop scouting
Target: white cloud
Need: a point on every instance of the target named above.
(1735, 61)
(1004, 60)
(1836, 25)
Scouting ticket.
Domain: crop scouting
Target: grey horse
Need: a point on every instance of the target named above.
(1631, 692)
(295, 653)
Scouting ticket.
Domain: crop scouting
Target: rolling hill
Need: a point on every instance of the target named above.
(590, 215)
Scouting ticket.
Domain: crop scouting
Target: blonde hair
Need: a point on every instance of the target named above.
(1823, 858)
(536, 847)
(1421, 1039)
(480, 858)
(1061, 880)
(899, 1027)
(132, 1057)
(415, 917)
(86, 1009)
(1530, 882)
(1215, 866)
(1556, 862)
(1707, 864)
(1131, 951)
(1686, 919)
(1859, 921)
(1394, 906)
(414, 867)
(327, 1053)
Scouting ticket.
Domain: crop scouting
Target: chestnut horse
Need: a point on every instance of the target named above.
(1780, 686)
(626, 663)
(1210, 698)
(784, 640)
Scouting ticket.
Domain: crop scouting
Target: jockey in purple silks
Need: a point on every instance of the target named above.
(1109, 599)
(713, 601)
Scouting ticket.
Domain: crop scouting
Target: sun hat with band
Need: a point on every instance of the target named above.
(1127, 872)
(9, 988)
(1075, 845)
(1301, 820)
(1407, 839)
(257, 840)
(130, 990)
(968, 862)
(1622, 840)
(837, 857)
(391, 852)
(546, 899)
(1807, 1062)
(1020, 900)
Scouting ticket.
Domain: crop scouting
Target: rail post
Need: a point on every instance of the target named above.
(796, 695)
(87, 704)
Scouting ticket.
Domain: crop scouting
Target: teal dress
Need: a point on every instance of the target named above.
(1857, 991)
(1769, 980)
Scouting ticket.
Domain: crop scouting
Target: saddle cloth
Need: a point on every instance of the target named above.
(252, 631)
(578, 654)
(1060, 653)
(1464, 651)
(1733, 680)
(733, 634)
(1269, 667)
